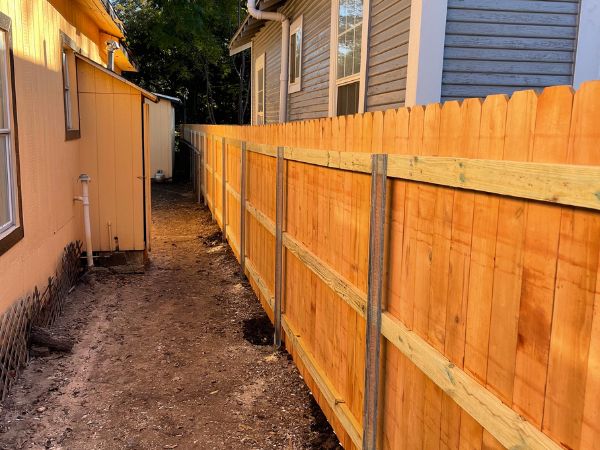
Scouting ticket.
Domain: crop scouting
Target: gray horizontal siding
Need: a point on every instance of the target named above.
(312, 101)
(268, 41)
(499, 46)
(388, 54)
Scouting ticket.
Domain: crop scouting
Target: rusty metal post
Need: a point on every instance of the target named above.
(374, 301)
(279, 191)
(243, 176)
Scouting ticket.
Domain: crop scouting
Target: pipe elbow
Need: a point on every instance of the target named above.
(264, 15)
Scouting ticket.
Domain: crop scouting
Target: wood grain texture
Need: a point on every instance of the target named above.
(491, 316)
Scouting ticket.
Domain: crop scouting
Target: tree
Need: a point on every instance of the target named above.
(180, 49)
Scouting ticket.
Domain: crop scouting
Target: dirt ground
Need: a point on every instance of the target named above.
(177, 357)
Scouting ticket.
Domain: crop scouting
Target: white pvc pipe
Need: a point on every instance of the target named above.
(285, 52)
(87, 225)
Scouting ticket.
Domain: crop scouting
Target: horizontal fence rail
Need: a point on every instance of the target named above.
(483, 280)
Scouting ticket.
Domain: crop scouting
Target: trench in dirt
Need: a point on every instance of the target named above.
(179, 356)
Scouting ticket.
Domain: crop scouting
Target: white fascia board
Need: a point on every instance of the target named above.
(587, 59)
(426, 51)
(240, 49)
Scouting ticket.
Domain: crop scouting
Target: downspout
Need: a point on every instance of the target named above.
(285, 53)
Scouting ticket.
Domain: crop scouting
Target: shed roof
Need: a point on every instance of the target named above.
(242, 38)
(168, 97)
(145, 93)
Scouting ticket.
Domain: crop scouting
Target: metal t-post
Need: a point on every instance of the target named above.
(224, 185)
(213, 148)
(243, 208)
(204, 167)
(278, 247)
(374, 301)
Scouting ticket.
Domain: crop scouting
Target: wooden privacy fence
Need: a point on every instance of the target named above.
(433, 270)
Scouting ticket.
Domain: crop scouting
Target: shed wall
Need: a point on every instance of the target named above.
(496, 47)
(111, 153)
(162, 132)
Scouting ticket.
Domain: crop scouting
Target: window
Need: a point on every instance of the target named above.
(346, 83)
(295, 76)
(259, 99)
(71, 100)
(11, 229)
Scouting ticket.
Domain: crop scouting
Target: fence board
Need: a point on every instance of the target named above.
(491, 299)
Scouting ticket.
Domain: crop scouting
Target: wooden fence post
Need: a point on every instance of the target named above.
(243, 208)
(224, 186)
(374, 301)
(278, 247)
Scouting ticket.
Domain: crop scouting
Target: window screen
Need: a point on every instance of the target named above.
(347, 99)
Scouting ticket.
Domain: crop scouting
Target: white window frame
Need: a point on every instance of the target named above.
(67, 88)
(260, 64)
(334, 83)
(296, 27)
(425, 52)
(70, 92)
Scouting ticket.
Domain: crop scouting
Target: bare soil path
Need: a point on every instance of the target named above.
(177, 357)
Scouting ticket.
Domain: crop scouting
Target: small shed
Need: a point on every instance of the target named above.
(162, 134)
(114, 153)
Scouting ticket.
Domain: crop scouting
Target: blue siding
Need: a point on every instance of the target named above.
(499, 46)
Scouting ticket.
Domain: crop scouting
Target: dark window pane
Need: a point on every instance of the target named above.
(5, 194)
(298, 52)
(293, 58)
(347, 99)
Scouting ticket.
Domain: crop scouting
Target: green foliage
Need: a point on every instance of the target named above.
(180, 48)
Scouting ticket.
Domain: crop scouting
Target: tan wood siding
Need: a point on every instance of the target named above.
(111, 153)
(162, 132)
(49, 165)
(499, 47)
(388, 54)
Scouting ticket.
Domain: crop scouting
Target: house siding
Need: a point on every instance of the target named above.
(388, 54)
(268, 41)
(49, 164)
(501, 46)
(312, 101)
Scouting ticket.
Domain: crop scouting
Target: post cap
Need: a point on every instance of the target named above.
(85, 177)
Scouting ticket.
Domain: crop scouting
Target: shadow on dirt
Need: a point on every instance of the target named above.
(258, 330)
(325, 438)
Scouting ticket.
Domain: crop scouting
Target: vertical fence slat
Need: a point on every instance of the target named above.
(278, 246)
(374, 305)
(224, 186)
(243, 207)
